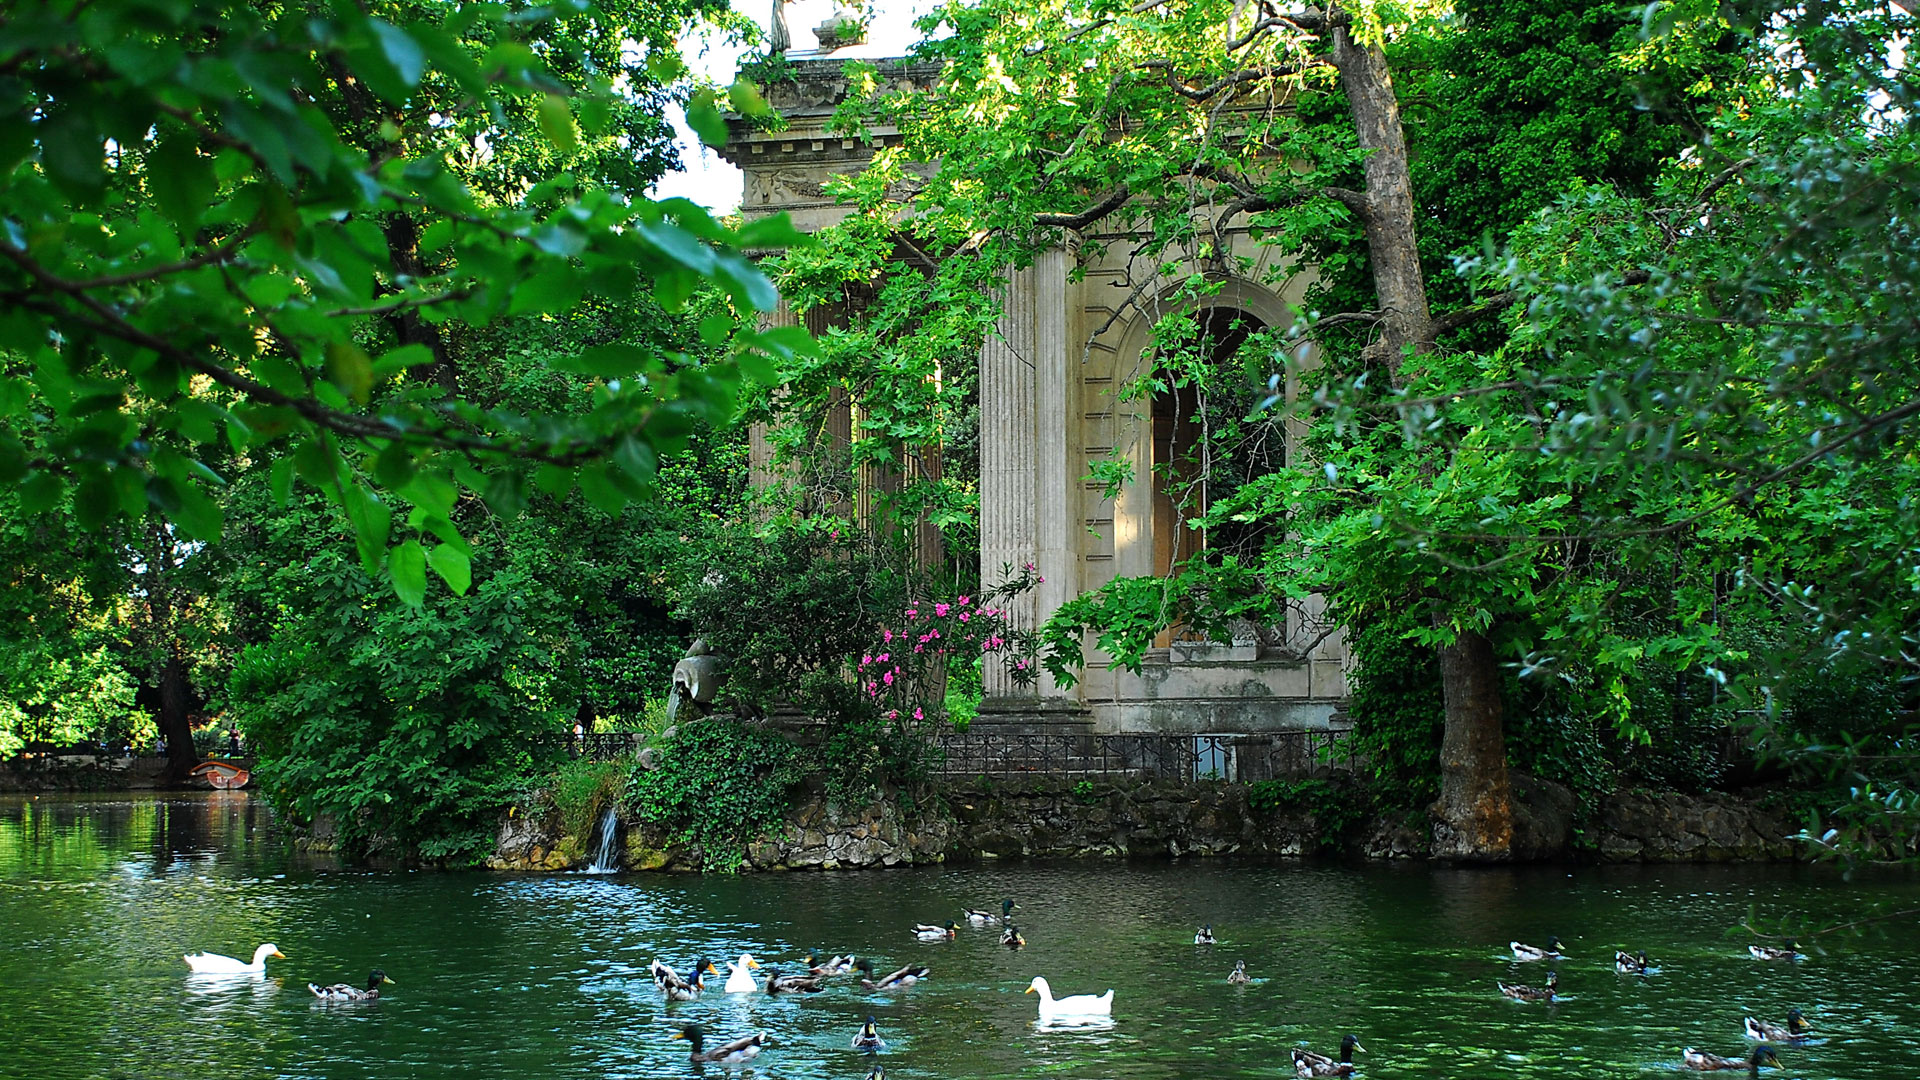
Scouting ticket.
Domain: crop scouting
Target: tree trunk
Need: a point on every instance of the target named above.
(1475, 811)
(1474, 817)
(176, 718)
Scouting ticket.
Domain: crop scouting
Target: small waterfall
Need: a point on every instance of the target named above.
(603, 862)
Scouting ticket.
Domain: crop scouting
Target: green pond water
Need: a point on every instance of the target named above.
(508, 976)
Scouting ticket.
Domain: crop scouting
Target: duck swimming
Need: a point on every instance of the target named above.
(833, 965)
(1308, 1063)
(1077, 1006)
(1534, 952)
(868, 1038)
(988, 918)
(1238, 976)
(794, 984)
(350, 992)
(899, 980)
(732, 1053)
(740, 975)
(1528, 993)
(1631, 963)
(1796, 1030)
(1204, 936)
(1768, 952)
(1703, 1061)
(926, 932)
(206, 963)
(1011, 938)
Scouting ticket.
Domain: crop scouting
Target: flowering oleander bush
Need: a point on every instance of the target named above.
(906, 672)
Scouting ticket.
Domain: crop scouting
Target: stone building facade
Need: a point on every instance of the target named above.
(1051, 405)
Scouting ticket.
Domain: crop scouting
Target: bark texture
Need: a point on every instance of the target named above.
(1474, 816)
(1473, 819)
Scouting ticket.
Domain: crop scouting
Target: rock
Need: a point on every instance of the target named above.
(1543, 814)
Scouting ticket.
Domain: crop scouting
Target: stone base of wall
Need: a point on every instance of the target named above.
(1054, 818)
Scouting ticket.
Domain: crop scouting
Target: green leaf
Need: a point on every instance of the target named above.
(747, 100)
(773, 231)
(393, 466)
(506, 493)
(39, 492)
(407, 566)
(350, 369)
(706, 120)
(453, 566)
(554, 288)
(280, 480)
(401, 50)
(397, 360)
(73, 151)
(606, 361)
(556, 122)
(180, 180)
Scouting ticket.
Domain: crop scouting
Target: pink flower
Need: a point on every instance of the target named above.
(922, 647)
(940, 610)
(913, 613)
(963, 601)
(887, 678)
(893, 714)
(1042, 579)
(886, 635)
(865, 659)
(917, 714)
(882, 658)
(963, 616)
(1027, 566)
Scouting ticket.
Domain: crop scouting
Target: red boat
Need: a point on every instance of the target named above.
(222, 775)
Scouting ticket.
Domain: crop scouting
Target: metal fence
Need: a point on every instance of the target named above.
(1242, 758)
(601, 746)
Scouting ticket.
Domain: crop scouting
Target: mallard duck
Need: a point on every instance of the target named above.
(1308, 1063)
(876, 1073)
(988, 918)
(793, 984)
(926, 932)
(868, 1038)
(350, 992)
(676, 986)
(1796, 1029)
(1238, 976)
(1010, 937)
(833, 965)
(1534, 952)
(899, 980)
(1768, 952)
(1528, 993)
(689, 989)
(1631, 963)
(1700, 1059)
(740, 978)
(732, 1053)
(1204, 936)
(206, 963)
(1076, 1006)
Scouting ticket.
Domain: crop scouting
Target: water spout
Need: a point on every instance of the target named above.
(603, 862)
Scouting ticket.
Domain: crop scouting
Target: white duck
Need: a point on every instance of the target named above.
(739, 975)
(1077, 1006)
(206, 963)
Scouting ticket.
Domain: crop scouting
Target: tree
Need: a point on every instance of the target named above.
(229, 225)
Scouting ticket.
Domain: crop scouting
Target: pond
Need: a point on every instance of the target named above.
(508, 976)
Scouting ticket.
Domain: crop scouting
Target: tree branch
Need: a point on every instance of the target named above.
(1091, 214)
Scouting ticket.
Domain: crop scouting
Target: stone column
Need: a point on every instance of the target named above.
(1007, 390)
(1030, 461)
(761, 472)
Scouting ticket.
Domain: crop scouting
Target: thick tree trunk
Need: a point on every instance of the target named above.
(176, 719)
(1475, 811)
(1474, 817)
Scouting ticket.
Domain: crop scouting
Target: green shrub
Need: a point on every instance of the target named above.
(583, 789)
(715, 787)
(1335, 806)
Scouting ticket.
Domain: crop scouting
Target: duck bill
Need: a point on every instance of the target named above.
(388, 980)
(753, 963)
(1028, 990)
(277, 953)
(1360, 1048)
(679, 1034)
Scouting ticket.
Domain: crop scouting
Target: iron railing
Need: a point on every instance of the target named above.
(599, 746)
(1242, 758)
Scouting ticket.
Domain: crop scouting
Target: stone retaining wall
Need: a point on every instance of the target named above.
(1049, 818)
